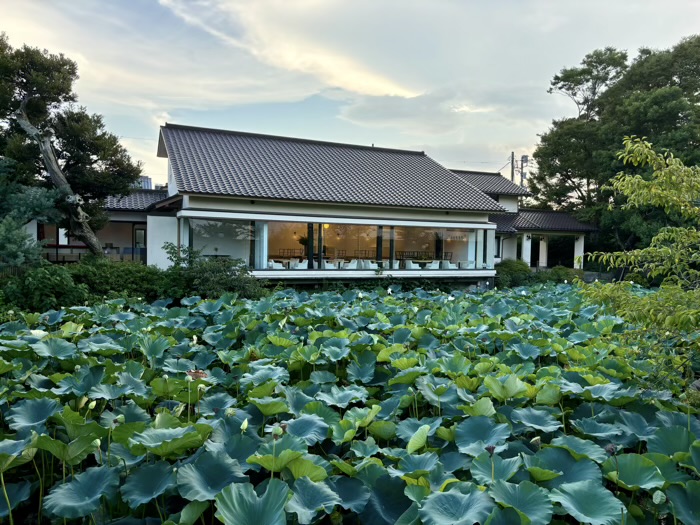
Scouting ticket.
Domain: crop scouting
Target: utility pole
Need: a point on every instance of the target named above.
(512, 167)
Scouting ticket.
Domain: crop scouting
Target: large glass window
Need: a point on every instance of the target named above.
(223, 238)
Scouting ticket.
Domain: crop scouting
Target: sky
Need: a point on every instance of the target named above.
(465, 81)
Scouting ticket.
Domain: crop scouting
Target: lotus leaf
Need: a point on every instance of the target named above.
(147, 482)
(456, 508)
(685, 501)
(310, 498)
(589, 502)
(530, 501)
(83, 494)
(473, 435)
(238, 504)
(31, 415)
(203, 479)
(16, 493)
(632, 472)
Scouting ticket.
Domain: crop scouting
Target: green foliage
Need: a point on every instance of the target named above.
(513, 273)
(46, 287)
(104, 278)
(92, 159)
(655, 96)
(510, 407)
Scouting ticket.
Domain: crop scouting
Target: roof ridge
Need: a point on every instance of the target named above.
(170, 125)
(478, 172)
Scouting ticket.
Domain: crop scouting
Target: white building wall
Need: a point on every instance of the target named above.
(31, 228)
(579, 250)
(509, 202)
(159, 231)
(509, 248)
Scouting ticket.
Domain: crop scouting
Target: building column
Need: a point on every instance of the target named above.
(471, 250)
(544, 242)
(526, 255)
(479, 249)
(509, 249)
(261, 256)
(578, 252)
(490, 248)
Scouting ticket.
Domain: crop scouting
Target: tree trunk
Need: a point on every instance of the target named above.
(79, 225)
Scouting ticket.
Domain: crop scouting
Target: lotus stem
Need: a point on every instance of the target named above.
(7, 498)
(41, 487)
(493, 470)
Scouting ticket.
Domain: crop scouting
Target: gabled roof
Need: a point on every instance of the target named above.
(544, 220)
(139, 200)
(492, 183)
(539, 221)
(232, 163)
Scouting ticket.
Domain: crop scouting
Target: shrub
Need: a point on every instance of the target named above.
(558, 274)
(126, 279)
(214, 277)
(513, 273)
(40, 289)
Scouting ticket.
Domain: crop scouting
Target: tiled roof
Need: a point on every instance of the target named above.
(207, 161)
(491, 183)
(550, 221)
(140, 200)
(539, 220)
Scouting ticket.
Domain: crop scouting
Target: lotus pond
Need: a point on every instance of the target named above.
(527, 406)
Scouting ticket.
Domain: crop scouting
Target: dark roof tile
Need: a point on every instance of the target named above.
(491, 183)
(268, 167)
(140, 200)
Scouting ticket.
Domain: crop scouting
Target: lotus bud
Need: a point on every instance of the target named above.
(566, 281)
(194, 339)
(165, 376)
(92, 405)
(611, 449)
(201, 388)
(277, 431)
(388, 291)
(536, 441)
(490, 449)
(230, 412)
(360, 295)
(10, 312)
(451, 298)
(76, 368)
(96, 443)
(244, 425)
(119, 419)
(189, 378)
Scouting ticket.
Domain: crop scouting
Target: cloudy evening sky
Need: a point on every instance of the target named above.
(466, 81)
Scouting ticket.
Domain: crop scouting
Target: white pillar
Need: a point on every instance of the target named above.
(479, 249)
(526, 255)
(490, 248)
(260, 245)
(62, 236)
(159, 231)
(471, 250)
(509, 248)
(578, 252)
(544, 241)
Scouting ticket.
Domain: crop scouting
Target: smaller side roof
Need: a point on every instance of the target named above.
(491, 183)
(544, 220)
(139, 200)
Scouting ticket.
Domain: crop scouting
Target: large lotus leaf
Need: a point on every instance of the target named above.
(31, 414)
(473, 435)
(507, 516)
(342, 397)
(12, 453)
(418, 439)
(310, 498)
(167, 441)
(487, 469)
(203, 479)
(415, 465)
(82, 496)
(504, 388)
(589, 502)
(81, 382)
(336, 348)
(309, 465)
(632, 472)
(456, 508)
(526, 350)
(270, 406)
(671, 441)
(530, 501)
(276, 462)
(535, 418)
(580, 448)
(686, 501)
(153, 346)
(364, 449)
(560, 460)
(215, 404)
(72, 453)
(323, 411)
(309, 427)
(16, 493)
(133, 385)
(668, 468)
(54, 347)
(591, 427)
(363, 367)
(147, 482)
(407, 428)
(387, 501)
(238, 504)
(636, 425)
(105, 391)
(352, 492)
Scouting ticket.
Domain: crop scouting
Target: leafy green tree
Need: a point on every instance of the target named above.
(20, 204)
(657, 95)
(56, 143)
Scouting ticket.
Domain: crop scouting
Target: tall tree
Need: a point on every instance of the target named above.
(657, 95)
(56, 143)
